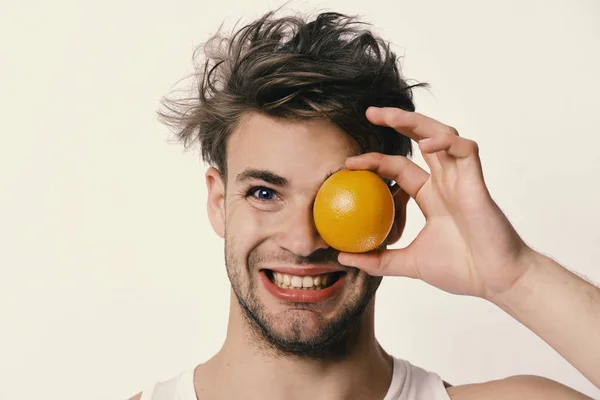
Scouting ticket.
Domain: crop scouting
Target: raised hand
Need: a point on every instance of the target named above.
(467, 245)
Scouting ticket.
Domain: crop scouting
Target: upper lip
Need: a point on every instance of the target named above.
(308, 270)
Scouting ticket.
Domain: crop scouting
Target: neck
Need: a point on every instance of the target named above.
(242, 369)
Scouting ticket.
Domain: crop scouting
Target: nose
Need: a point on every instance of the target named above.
(299, 234)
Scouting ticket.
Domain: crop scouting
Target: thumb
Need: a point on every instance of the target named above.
(396, 262)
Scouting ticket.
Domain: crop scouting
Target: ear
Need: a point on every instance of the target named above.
(400, 201)
(216, 200)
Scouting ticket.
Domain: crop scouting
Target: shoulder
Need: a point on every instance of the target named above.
(529, 387)
(180, 386)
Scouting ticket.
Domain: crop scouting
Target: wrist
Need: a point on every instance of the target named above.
(532, 264)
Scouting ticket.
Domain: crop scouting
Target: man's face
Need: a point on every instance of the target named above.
(274, 170)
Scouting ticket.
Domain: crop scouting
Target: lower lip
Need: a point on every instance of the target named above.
(301, 295)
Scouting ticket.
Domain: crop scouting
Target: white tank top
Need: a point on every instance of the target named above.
(409, 382)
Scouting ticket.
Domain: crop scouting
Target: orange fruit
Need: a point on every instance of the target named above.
(354, 211)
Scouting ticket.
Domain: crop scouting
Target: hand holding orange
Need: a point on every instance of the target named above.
(354, 211)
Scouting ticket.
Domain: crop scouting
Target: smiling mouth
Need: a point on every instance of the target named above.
(310, 282)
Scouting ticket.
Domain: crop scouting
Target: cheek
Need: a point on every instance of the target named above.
(247, 226)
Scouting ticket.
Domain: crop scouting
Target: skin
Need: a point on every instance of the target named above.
(264, 212)
(477, 253)
(281, 230)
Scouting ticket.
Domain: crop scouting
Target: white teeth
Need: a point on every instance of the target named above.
(307, 282)
(296, 281)
(286, 281)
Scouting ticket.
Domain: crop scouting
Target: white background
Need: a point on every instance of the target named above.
(111, 277)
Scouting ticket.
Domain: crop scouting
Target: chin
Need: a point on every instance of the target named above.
(299, 324)
(317, 327)
(303, 330)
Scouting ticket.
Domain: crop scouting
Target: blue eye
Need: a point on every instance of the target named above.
(263, 193)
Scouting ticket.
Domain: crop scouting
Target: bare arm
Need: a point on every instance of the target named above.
(469, 247)
(562, 309)
(517, 388)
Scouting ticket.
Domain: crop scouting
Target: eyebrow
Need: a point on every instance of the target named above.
(271, 177)
(263, 175)
(333, 171)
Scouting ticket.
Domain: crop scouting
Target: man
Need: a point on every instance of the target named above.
(282, 104)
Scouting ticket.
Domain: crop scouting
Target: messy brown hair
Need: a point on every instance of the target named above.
(291, 67)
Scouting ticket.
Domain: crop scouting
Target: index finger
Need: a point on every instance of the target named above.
(408, 175)
(412, 124)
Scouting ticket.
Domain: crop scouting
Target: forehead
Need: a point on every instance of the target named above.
(288, 148)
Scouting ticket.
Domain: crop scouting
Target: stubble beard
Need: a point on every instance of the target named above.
(332, 341)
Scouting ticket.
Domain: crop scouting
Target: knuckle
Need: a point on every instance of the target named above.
(473, 146)
(401, 175)
(449, 130)
(396, 118)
